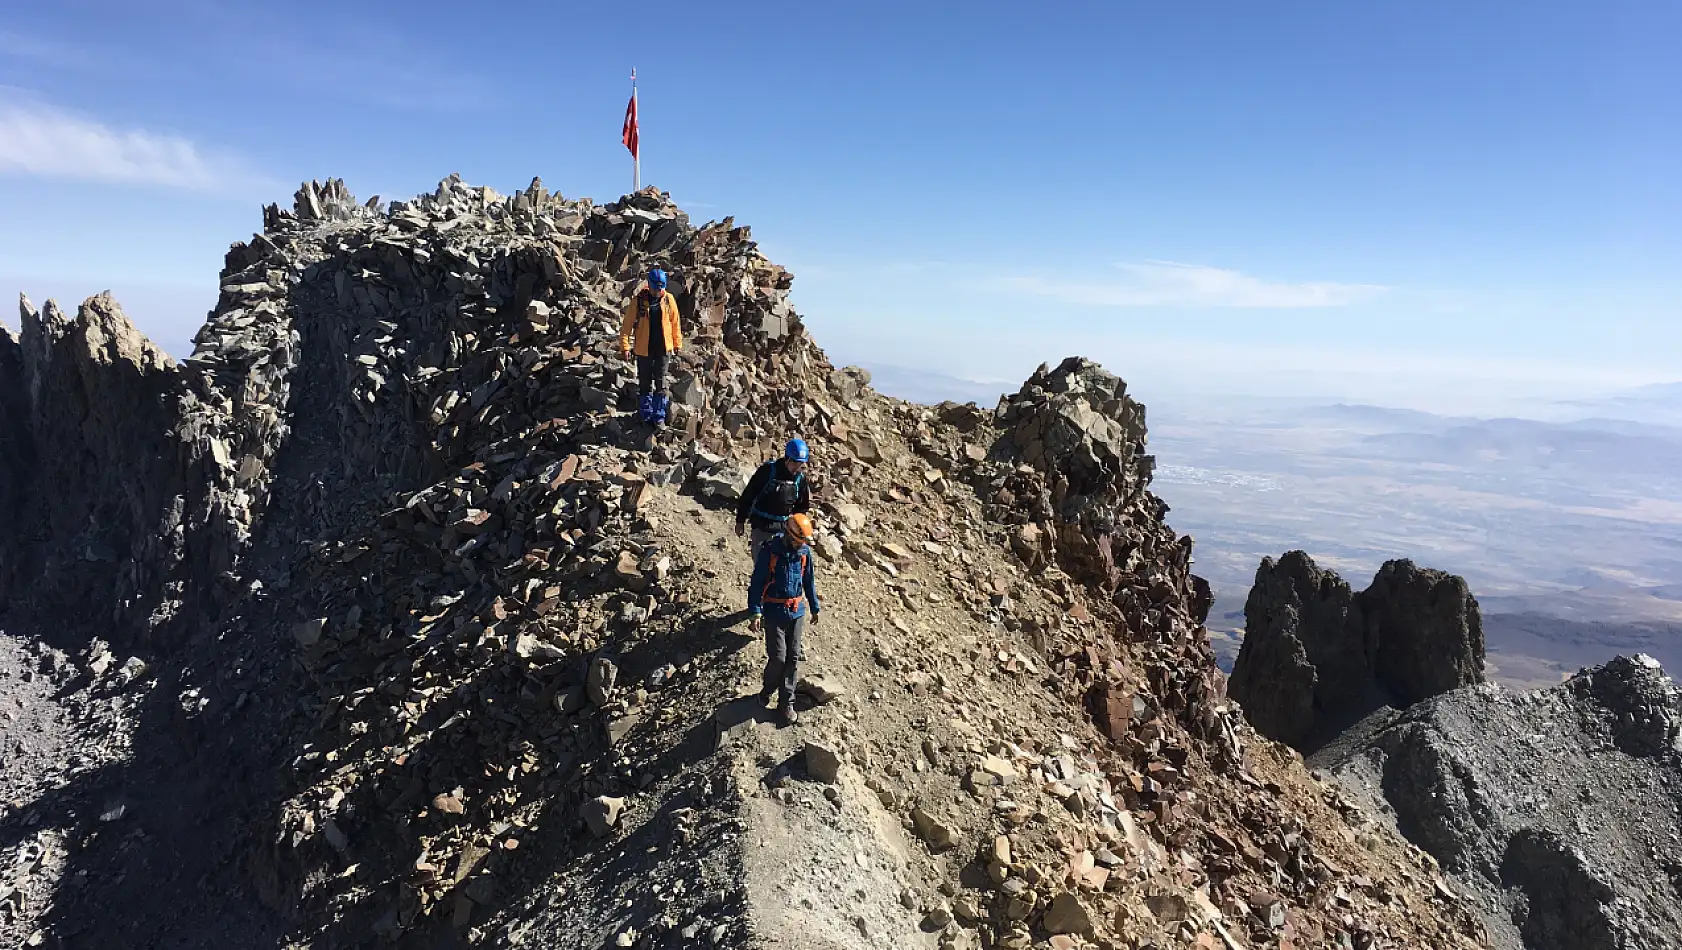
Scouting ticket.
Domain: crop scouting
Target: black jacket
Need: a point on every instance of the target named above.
(772, 495)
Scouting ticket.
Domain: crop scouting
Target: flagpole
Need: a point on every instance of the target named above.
(636, 158)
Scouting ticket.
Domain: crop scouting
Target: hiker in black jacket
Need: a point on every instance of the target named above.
(778, 489)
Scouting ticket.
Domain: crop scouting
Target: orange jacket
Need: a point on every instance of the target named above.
(635, 324)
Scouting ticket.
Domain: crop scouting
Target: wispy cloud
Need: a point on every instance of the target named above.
(1170, 284)
(43, 140)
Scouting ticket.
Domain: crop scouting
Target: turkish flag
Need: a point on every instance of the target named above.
(629, 137)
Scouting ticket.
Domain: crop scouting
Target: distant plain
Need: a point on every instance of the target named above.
(1567, 523)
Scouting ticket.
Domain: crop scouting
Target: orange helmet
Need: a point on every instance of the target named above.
(799, 527)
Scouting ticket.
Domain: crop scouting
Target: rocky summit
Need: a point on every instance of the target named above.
(380, 621)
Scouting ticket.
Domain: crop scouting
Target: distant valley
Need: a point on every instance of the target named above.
(1569, 530)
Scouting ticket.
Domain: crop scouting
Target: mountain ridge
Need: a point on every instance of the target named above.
(433, 645)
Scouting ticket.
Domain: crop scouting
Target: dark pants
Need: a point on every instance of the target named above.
(782, 652)
(651, 375)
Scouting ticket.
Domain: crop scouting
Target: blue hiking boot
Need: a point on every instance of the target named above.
(661, 403)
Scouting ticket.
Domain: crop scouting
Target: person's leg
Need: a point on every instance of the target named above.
(757, 537)
(657, 387)
(791, 669)
(657, 372)
(645, 394)
(776, 654)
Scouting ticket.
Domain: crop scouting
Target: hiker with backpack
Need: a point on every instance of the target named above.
(780, 591)
(651, 329)
(776, 492)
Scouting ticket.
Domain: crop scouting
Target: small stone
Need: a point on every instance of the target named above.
(999, 768)
(938, 836)
(602, 814)
(822, 763)
(821, 688)
(1001, 850)
(599, 684)
(308, 633)
(133, 669)
(1067, 915)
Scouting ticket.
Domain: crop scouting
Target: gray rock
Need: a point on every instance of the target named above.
(822, 764)
(601, 814)
(598, 685)
(938, 835)
(823, 689)
(1540, 802)
(1067, 915)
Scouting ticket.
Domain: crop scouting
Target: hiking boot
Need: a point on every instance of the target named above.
(786, 714)
(765, 695)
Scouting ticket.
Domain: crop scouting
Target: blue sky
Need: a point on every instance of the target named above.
(1443, 205)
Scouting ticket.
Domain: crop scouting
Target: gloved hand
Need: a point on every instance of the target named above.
(814, 618)
(755, 624)
(740, 529)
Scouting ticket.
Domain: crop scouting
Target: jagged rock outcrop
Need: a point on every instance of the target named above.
(1079, 500)
(95, 470)
(1561, 807)
(1426, 629)
(431, 593)
(1317, 656)
(14, 442)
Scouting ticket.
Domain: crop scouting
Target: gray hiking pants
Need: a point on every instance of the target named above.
(782, 652)
(756, 539)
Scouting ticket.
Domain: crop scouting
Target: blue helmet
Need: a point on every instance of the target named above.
(796, 451)
(657, 279)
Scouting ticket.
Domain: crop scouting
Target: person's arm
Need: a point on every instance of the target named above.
(756, 583)
(628, 327)
(675, 328)
(756, 484)
(812, 586)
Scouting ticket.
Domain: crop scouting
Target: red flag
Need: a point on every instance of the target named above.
(629, 137)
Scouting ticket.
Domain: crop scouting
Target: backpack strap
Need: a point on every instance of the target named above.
(770, 479)
(789, 603)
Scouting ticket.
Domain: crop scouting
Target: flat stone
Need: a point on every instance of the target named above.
(1067, 915)
(600, 682)
(821, 688)
(937, 835)
(308, 633)
(822, 763)
(601, 814)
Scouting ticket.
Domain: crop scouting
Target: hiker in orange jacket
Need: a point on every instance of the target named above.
(781, 594)
(652, 330)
